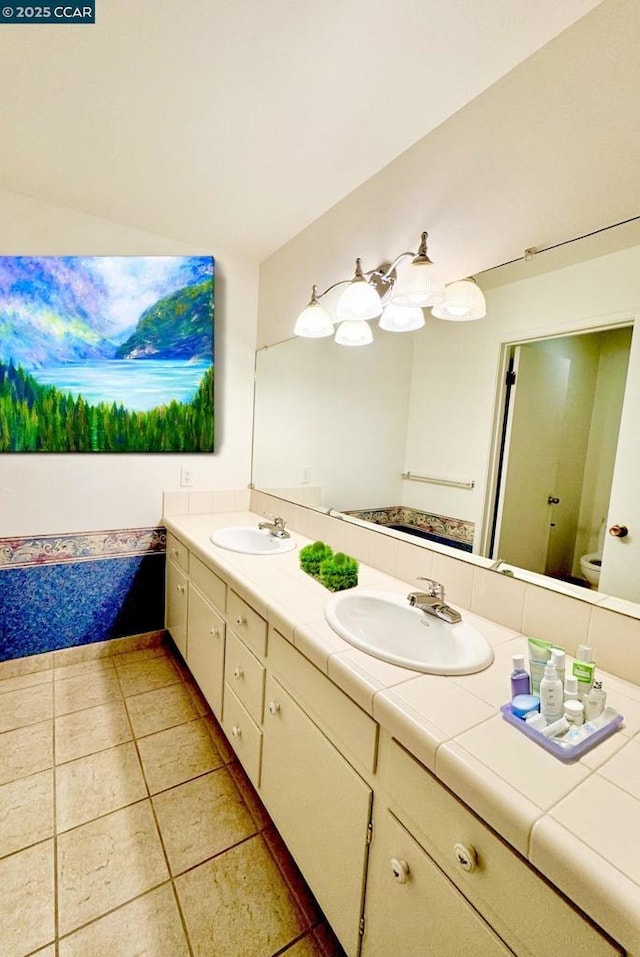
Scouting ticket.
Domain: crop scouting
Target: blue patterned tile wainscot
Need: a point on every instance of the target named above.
(64, 590)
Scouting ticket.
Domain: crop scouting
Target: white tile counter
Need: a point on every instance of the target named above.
(578, 823)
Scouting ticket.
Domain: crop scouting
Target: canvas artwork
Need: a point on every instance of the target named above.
(106, 354)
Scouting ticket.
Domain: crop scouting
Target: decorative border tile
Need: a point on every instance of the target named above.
(456, 529)
(85, 546)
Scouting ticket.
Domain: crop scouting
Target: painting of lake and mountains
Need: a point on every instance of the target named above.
(106, 354)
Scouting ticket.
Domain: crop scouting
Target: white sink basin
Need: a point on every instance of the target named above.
(388, 627)
(251, 540)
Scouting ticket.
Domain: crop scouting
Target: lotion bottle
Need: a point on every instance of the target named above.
(594, 701)
(551, 696)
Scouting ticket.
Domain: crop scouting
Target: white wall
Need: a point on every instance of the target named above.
(42, 494)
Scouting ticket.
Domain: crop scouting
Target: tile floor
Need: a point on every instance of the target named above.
(128, 828)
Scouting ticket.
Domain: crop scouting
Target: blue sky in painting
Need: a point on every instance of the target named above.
(57, 309)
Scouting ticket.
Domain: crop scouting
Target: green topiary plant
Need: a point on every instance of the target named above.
(312, 556)
(339, 572)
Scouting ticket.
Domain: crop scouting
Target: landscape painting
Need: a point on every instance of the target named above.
(106, 353)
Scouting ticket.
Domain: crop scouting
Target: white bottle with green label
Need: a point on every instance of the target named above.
(583, 669)
(551, 696)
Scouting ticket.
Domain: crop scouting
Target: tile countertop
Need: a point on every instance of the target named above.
(578, 823)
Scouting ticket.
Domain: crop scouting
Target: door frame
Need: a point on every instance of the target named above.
(500, 425)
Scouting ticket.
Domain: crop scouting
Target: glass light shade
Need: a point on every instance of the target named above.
(359, 301)
(464, 301)
(401, 318)
(421, 285)
(354, 332)
(314, 322)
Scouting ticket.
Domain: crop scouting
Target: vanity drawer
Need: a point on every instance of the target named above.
(247, 623)
(212, 587)
(178, 552)
(354, 733)
(244, 673)
(243, 733)
(513, 897)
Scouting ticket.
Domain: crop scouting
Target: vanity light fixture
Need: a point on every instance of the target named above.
(398, 303)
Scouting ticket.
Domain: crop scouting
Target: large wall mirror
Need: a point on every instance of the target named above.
(429, 429)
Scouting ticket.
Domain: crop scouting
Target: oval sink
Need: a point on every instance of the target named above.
(388, 627)
(251, 540)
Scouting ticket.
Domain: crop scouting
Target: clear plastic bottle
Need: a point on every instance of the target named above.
(594, 701)
(551, 696)
(520, 683)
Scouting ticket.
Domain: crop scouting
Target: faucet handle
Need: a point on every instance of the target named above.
(434, 589)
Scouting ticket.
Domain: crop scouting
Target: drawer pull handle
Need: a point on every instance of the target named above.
(236, 731)
(240, 620)
(400, 870)
(180, 588)
(238, 673)
(274, 707)
(465, 856)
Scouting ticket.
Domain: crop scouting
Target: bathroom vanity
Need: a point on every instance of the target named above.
(360, 778)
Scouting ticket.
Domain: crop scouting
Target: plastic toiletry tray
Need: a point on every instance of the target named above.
(566, 751)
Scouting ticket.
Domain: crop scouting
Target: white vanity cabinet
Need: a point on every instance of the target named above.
(205, 651)
(413, 908)
(320, 806)
(428, 847)
(176, 592)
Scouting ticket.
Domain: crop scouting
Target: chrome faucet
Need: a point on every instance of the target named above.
(432, 601)
(275, 526)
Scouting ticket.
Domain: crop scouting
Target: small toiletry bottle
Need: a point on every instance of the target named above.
(570, 688)
(594, 701)
(558, 658)
(539, 655)
(551, 700)
(583, 668)
(574, 711)
(556, 727)
(520, 683)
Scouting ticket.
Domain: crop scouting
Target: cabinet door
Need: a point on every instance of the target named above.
(321, 808)
(176, 617)
(205, 649)
(412, 908)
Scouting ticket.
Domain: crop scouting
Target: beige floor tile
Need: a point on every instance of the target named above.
(26, 751)
(26, 812)
(93, 729)
(27, 900)
(149, 926)
(85, 691)
(163, 708)
(238, 904)
(140, 654)
(49, 951)
(147, 675)
(26, 681)
(26, 706)
(198, 699)
(98, 784)
(178, 754)
(106, 863)
(201, 818)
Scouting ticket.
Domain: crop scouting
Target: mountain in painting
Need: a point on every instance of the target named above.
(179, 326)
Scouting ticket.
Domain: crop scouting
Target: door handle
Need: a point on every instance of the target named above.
(619, 531)
(553, 500)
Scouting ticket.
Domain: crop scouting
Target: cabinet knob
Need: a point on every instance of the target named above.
(274, 707)
(215, 632)
(619, 531)
(236, 731)
(238, 673)
(174, 551)
(400, 870)
(465, 856)
(240, 620)
(180, 588)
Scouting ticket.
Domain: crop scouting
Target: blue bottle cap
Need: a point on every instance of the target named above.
(524, 704)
